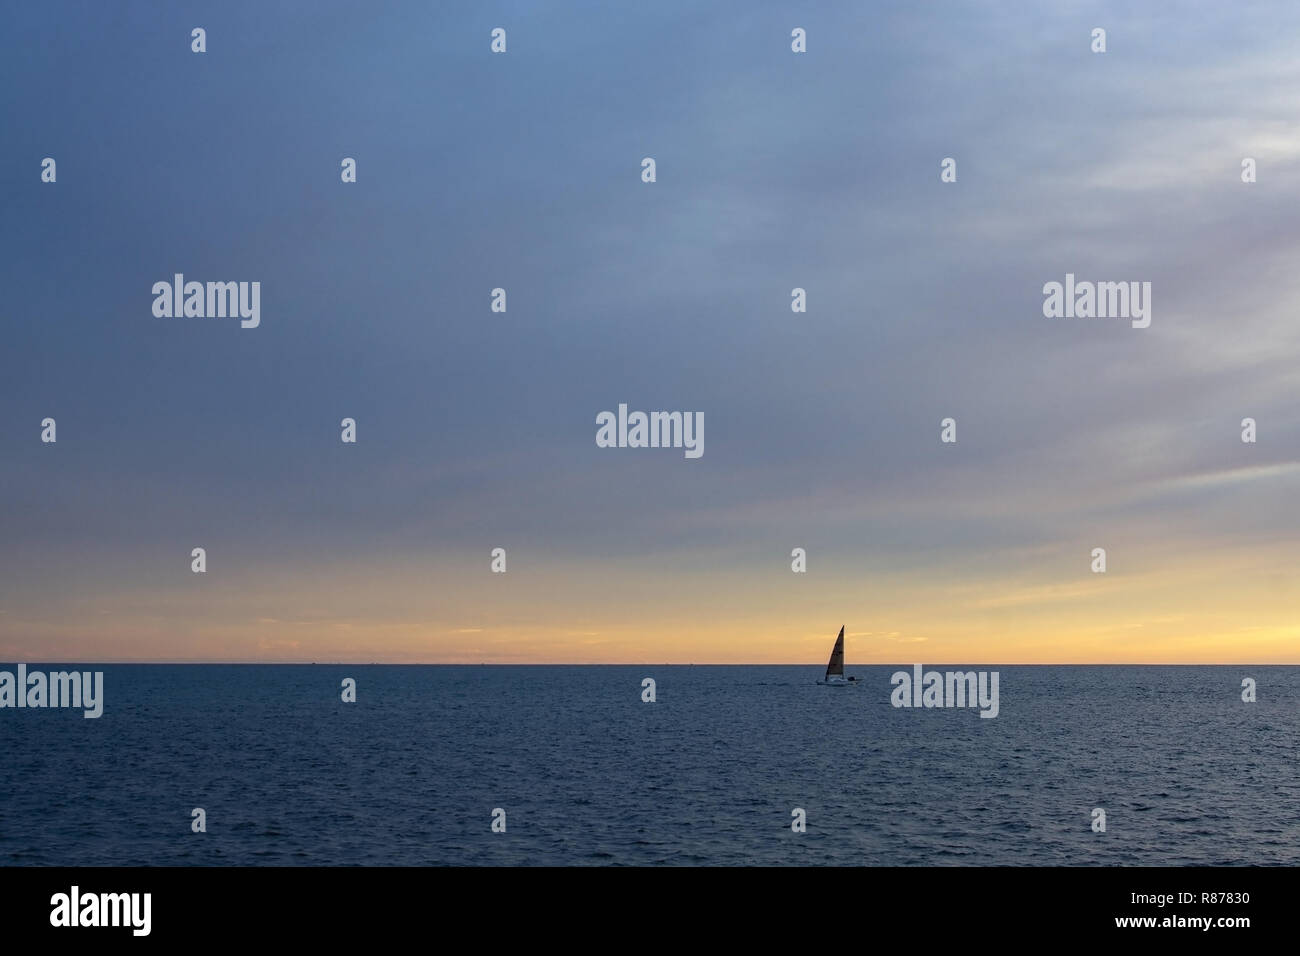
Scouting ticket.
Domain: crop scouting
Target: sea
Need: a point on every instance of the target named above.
(574, 767)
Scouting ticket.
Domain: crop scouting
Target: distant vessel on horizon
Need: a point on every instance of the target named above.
(835, 668)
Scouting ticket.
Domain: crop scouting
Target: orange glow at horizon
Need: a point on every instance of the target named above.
(1227, 607)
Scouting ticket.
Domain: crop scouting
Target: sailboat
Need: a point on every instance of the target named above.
(835, 668)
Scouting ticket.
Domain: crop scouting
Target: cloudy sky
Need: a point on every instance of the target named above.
(476, 429)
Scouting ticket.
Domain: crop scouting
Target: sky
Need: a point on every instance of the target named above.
(476, 430)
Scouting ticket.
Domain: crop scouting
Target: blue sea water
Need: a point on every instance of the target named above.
(708, 774)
